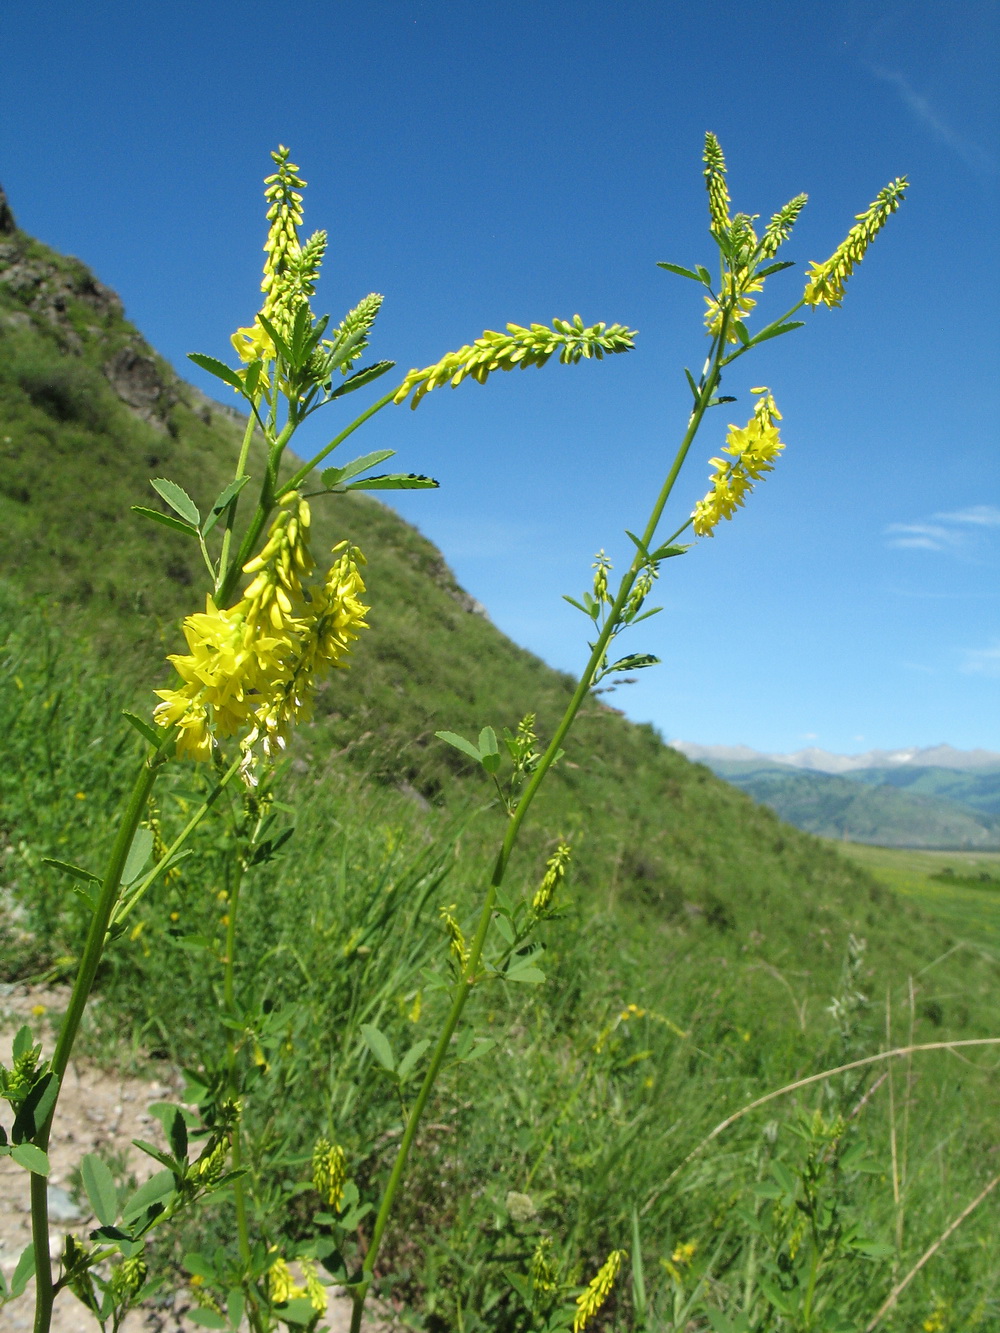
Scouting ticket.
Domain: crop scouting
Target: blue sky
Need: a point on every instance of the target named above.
(479, 164)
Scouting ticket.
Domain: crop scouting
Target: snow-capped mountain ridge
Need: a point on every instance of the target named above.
(822, 761)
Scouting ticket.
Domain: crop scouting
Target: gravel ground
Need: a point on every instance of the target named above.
(99, 1111)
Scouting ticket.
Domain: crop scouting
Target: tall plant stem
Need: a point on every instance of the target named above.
(89, 962)
(467, 981)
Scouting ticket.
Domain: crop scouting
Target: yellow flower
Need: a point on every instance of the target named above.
(753, 449)
(280, 1284)
(744, 304)
(555, 873)
(826, 281)
(253, 667)
(329, 1172)
(590, 1301)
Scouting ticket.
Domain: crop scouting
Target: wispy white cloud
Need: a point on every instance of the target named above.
(984, 516)
(964, 532)
(921, 537)
(972, 154)
(982, 661)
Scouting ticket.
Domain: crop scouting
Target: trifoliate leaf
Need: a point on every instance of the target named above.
(178, 499)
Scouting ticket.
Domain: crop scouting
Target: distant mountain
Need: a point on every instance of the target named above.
(953, 802)
(822, 761)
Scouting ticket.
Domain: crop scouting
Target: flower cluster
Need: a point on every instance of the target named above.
(736, 294)
(290, 269)
(752, 451)
(715, 183)
(282, 1287)
(253, 668)
(555, 873)
(519, 346)
(329, 1172)
(590, 1301)
(826, 281)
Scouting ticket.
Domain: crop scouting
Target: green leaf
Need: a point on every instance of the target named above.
(138, 854)
(225, 499)
(77, 872)
(235, 1305)
(681, 272)
(775, 331)
(167, 520)
(24, 1271)
(22, 1042)
(178, 499)
(207, 1318)
(774, 268)
(481, 1046)
(31, 1158)
(99, 1184)
(705, 276)
(298, 1311)
(489, 750)
(157, 1187)
(633, 662)
(177, 1135)
(692, 385)
(666, 552)
(217, 368)
(155, 735)
(409, 1060)
(740, 329)
(505, 928)
(367, 375)
(460, 743)
(199, 1266)
(283, 349)
(378, 1044)
(34, 1110)
(333, 476)
(524, 969)
(395, 481)
(573, 602)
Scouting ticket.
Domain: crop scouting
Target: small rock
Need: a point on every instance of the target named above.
(62, 1206)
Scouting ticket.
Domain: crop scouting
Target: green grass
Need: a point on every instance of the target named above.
(970, 913)
(727, 929)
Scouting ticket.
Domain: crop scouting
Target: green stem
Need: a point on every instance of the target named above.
(229, 999)
(468, 979)
(268, 497)
(89, 963)
(227, 536)
(163, 864)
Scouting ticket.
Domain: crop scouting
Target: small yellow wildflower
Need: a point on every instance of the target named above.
(281, 1285)
(544, 1277)
(744, 304)
(555, 873)
(937, 1320)
(684, 1253)
(590, 1301)
(329, 1172)
(37, 1010)
(753, 450)
(81, 795)
(459, 948)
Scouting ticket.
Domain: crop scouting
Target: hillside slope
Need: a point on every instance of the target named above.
(88, 412)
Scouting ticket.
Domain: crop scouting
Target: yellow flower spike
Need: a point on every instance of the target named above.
(753, 449)
(590, 1301)
(555, 873)
(826, 281)
(715, 183)
(280, 1284)
(329, 1172)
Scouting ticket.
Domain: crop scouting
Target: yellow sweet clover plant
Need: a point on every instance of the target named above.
(274, 623)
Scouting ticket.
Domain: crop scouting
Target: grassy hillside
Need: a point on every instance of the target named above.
(708, 954)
